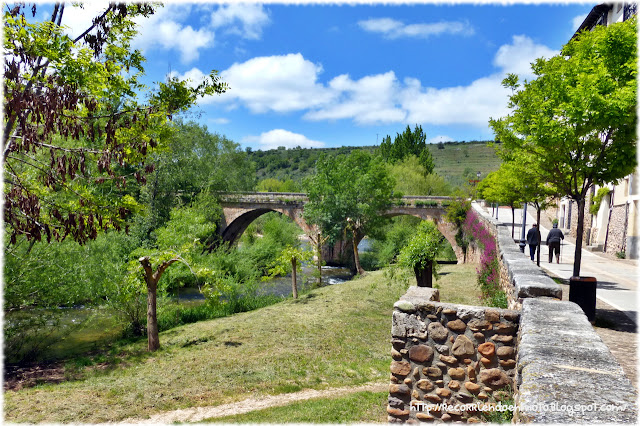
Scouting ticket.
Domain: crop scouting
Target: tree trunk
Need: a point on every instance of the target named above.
(152, 320)
(151, 279)
(538, 213)
(294, 285)
(513, 221)
(579, 232)
(424, 276)
(356, 257)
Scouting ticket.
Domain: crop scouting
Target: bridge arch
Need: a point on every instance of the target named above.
(236, 222)
(446, 229)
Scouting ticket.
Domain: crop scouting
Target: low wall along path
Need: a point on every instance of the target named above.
(449, 360)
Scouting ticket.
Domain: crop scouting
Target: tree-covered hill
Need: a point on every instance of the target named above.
(456, 162)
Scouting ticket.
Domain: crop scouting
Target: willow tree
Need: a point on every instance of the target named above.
(574, 125)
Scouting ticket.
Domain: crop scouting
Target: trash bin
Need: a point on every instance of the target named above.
(582, 291)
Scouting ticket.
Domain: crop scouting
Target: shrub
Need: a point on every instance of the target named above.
(489, 269)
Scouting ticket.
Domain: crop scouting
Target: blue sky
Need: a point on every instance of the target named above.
(328, 75)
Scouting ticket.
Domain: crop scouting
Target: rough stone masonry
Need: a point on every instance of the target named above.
(448, 354)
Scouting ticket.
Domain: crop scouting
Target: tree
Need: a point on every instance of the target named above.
(290, 260)
(502, 187)
(193, 162)
(575, 124)
(412, 179)
(405, 144)
(75, 132)
(457, 214)
(421, 251)
(347, 196)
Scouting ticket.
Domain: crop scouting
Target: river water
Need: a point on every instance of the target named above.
(79, 329)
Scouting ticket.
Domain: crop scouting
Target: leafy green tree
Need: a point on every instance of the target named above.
(290, 260)
(503, 187)
(408, 143)
(347, 197)
(194, 161)
(75, 131)
(412, 178)
(275, 185)
(575, 124)
(421, 251)
(457, 214)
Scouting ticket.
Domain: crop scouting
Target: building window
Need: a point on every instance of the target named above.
(630, 9)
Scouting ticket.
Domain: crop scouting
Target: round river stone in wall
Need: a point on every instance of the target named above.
(487, 349)
(457, 325)
(432, 372)
(456, 373)
(425, 385)
(420, 353)
(437, 331)
(401, 368)
(505, 351)
(463, 347)
(494, 377)
(491, 315)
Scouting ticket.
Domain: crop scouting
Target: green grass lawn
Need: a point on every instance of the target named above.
(331, 337)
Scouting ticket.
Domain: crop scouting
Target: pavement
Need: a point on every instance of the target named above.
(617, 278)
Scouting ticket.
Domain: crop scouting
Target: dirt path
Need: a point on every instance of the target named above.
(251, 404)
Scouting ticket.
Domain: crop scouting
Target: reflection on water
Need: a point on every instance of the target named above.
(281, 286)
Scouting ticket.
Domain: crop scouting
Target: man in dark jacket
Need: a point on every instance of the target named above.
(553, 241)
(532, 240)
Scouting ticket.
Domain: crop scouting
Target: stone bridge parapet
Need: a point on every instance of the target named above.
(242, 208)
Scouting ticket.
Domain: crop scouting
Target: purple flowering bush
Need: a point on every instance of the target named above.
(489, 268)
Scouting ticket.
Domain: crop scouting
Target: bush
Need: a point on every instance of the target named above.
(489, 269)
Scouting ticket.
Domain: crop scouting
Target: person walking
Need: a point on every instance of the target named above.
(553, 241)
(532, 240)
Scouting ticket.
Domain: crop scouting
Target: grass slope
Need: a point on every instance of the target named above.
(333, 336)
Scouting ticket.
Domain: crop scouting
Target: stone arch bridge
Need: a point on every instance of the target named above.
(241, 208)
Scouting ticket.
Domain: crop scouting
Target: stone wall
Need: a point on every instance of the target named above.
(560, 369)
(448, 354)
(616, 240)
(565, 373)
(519, 277)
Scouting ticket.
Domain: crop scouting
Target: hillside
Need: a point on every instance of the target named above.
(457, 162)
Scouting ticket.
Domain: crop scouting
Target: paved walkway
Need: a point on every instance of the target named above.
(617, 278)
(617, 295)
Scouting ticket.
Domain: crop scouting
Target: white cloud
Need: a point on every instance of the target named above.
(291, 83)
(393, 29)
(368, 100)
(163, 29)
(275, 83)
(250, 17)
(280, 137)
(220, 120)
(578, 20)
(517, 57)
(470, 105)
